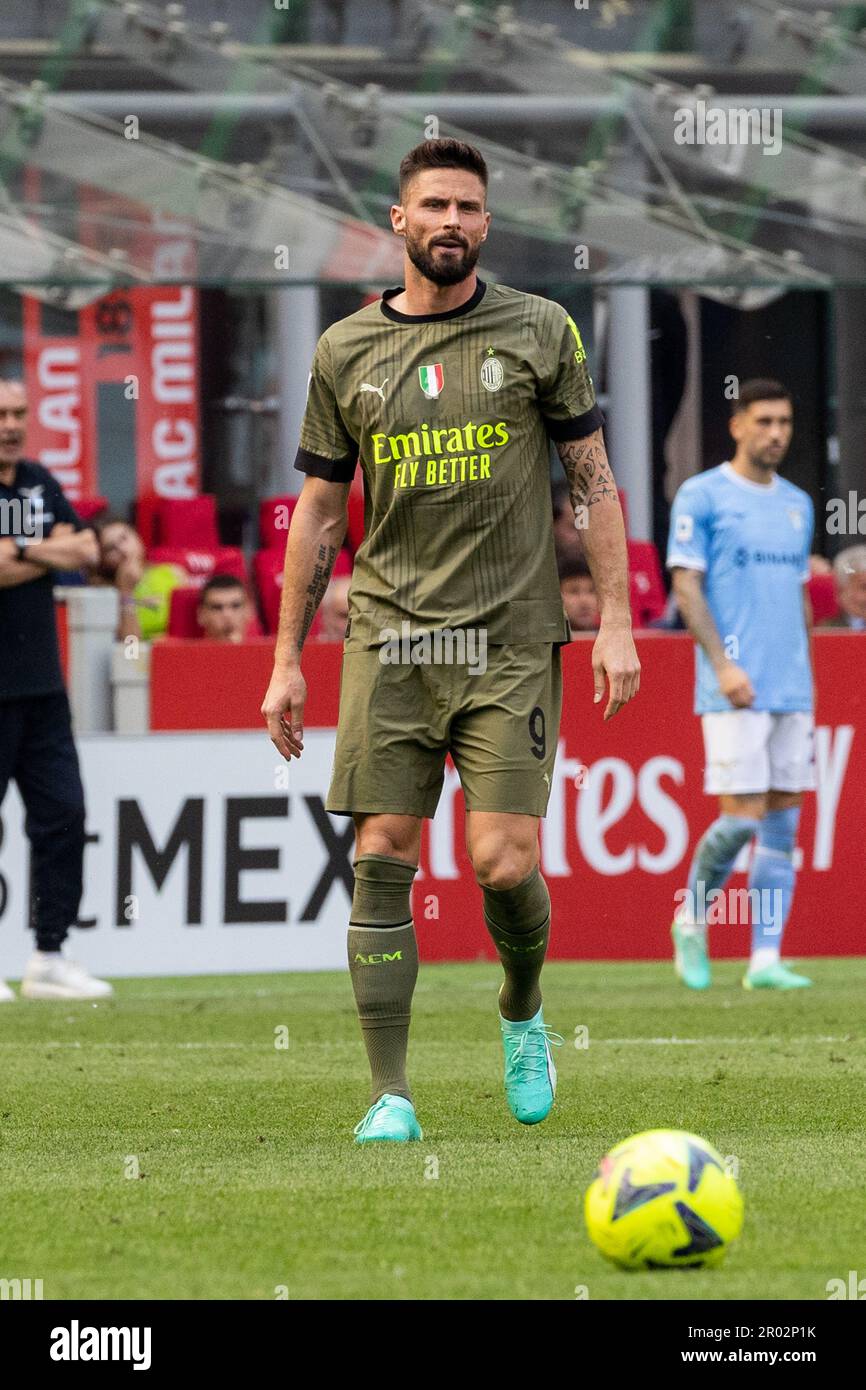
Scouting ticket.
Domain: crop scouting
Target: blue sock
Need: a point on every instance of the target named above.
(773, 877)
(712, 864)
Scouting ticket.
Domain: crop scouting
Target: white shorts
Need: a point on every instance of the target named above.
(751, 750)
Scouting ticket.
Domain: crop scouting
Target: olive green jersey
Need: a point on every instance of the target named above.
(450, 415)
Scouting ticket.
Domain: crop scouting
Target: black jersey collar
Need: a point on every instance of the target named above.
(397, 317)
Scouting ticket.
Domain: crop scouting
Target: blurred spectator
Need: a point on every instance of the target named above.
(566, 536)
(849, 571)
(818, 565)
(578, 595)
(334, 610)
(224, 609)
(145, 590)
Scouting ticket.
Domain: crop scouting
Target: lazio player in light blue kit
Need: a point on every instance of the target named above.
(739, 548)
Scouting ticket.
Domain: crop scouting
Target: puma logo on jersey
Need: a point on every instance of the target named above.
(377, 390)
(545, 777)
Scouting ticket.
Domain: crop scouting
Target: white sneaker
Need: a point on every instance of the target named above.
(6, 994)
(49, 975)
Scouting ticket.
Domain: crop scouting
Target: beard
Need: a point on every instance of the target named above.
(449, 272)
(768, 461)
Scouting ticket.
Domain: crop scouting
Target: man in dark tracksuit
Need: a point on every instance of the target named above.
(40, 533)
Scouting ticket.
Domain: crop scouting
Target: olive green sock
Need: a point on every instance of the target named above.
(383, 964)
(518, 920)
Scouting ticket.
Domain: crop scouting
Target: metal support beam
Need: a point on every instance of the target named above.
(837, 113)
(296, 332)
(630, 403)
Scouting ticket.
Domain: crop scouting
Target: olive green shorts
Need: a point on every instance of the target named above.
(398, 722)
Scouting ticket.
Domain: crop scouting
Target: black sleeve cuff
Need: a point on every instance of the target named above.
(576, 428)
(332, 470)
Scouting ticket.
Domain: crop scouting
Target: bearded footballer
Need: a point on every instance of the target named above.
(448, 390)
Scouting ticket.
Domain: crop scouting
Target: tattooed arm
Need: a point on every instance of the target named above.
(315, 536)
(599, 516)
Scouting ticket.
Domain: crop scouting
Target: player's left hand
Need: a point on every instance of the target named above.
(614, 656)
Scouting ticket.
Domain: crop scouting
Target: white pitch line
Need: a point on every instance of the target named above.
(695, 1042)
(170, 996)
(190, 997)
(139, 1042)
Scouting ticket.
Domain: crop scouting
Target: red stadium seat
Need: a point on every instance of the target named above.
(201, 564)
(645, 582)
(268, 570)
(641, 614)
(342, 564)
(189, 521)
(88, 508)
(146, 519)
(231, 560)
(275, 514)
(181, 615)
(822, 592)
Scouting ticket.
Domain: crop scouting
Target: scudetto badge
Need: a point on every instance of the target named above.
(432, 380)
(492, 373)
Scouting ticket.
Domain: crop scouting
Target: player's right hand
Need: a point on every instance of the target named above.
(283, 710)
(736, 686)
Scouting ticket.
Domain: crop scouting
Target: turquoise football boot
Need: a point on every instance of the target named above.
(691, 961)
(389, 1118)
(530, 1076)
(775, 976)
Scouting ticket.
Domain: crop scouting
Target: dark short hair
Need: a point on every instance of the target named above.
(572, 566)
(759, 388)
(219, 582)
(441, 154)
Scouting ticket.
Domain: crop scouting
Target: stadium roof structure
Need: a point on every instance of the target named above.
(804, 201)
(81, 180)
(67, 273)
(821, 44)
(621, 202)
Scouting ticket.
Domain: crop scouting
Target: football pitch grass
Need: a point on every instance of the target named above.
(165, 1144)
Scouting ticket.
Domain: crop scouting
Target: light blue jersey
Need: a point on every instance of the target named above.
(752, 542)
